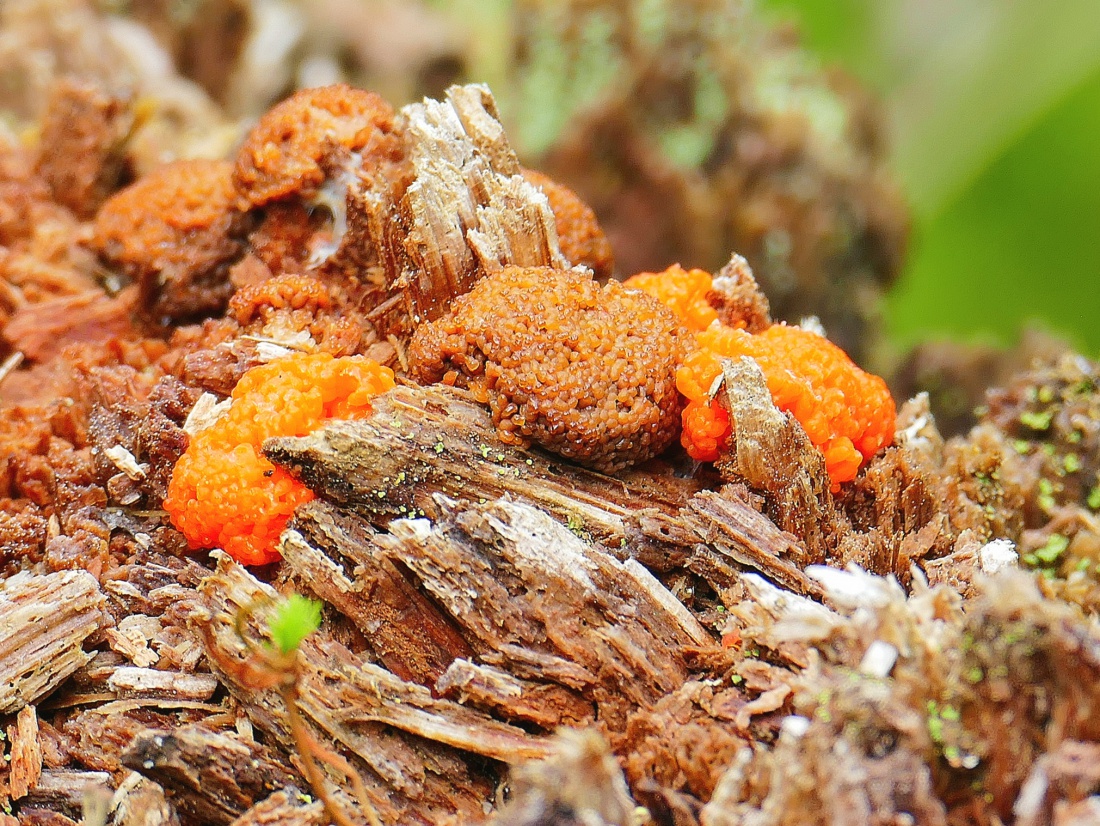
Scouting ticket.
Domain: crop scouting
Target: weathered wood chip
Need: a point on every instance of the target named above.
(65, 790)
(210, 777)
(44, 620)
(427, 440)
(131, 681)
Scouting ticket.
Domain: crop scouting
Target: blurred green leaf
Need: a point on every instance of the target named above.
(995, 109)
(1021, 243)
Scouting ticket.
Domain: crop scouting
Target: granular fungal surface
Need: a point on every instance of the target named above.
(584, 370)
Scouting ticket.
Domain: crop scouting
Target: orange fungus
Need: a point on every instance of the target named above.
(848, 414)
(224, 492)
(682, 291)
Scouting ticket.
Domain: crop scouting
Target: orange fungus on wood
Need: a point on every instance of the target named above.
(682, 291)
(224, 492)
(848, 414)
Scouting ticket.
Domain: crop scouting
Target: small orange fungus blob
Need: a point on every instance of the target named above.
(224, 492)
(682, 291)
(848, 414)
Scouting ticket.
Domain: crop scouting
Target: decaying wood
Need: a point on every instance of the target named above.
(39, 330)
(469, 209)
(427, 440)
(732, 529)
(210, 777)
(409, 636)
(496, 691)
(466, 210)
(405, 628)
(772, 453)
(44, 621)
(131, 681)
(424, 441)
(551, 627)
(530, 598)
(420, 757)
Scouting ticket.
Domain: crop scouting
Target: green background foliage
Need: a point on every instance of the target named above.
(994, 107)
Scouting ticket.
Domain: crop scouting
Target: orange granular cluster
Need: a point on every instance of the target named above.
(283, 152)
(224, 492)
(163, 217)
(282, 292)
(847, 413)
(682, 291)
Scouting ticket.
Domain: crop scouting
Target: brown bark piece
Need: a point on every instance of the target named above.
(99, 736)
(526, 590)
(427, 440)
(405, 630)
(25, 766)
(497, 691)
(771, 452)
(210, 777)
(684, 742)
(283, 809)
(41, 330)
(64, 790)
(82, 155)
(456, 207)
(738, 299)
(44, 621)
(735, 531)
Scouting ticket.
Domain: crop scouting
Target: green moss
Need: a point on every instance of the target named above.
(1037, 419)
(1094, 498)
(293, 621)
(1049, 554)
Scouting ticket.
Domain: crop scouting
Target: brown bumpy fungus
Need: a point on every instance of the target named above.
(584, 371)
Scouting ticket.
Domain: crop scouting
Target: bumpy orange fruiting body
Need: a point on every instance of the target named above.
(293, 291)
(682, 291)
(847, 413)
(153, 222)
(176, 231)
(282, 154)
(586, 371)
(224, 492)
